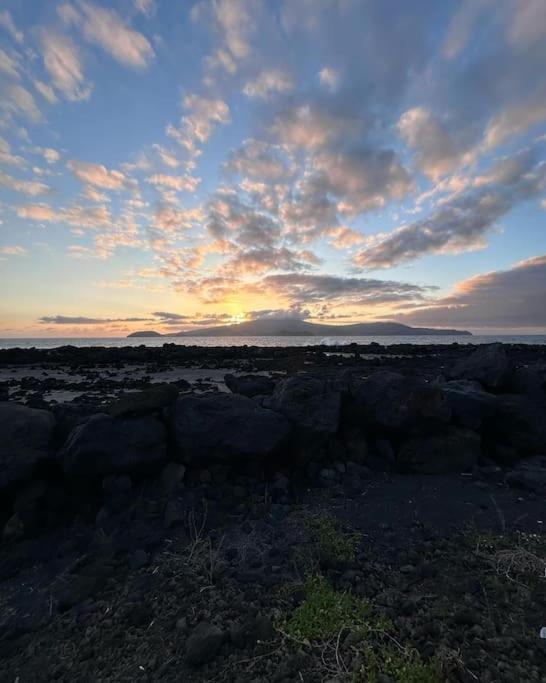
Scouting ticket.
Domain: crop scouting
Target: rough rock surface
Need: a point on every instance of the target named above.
(26, 434)
(312, 404)
(105, 444)
(489, 365)
(249, 385)
(225, 427)
(392, 401)
(456, 450)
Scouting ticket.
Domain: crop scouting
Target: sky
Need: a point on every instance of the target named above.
(171, 164)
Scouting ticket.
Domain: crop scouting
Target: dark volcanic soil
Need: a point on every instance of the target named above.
(437, 556)
(336, 571)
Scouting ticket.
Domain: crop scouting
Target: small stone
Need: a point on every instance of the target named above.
(203, 644)
(138, 559)
(407, 569)
(13, 529)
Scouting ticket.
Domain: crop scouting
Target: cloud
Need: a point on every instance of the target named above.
(528, 24)
(45, 90)
(259, 161)
(311, 125)
(51, 155)
(98, 175)
(83, 320)
(515, 120)
(204, 114)
(461, 222)
(306, 289)
(436, 152)
(18, 100)
(32, 188)
(462, 24)
(363, 179)
(509, 298)
(62, 62)
(268, 83)
(75, 215)
(147, 7)
(6, 156)
(8, 65)
(105, 28)
(179, 183)
(235, 22)
(169, 317)
(7, 22)
(13, 251)
(329, 77)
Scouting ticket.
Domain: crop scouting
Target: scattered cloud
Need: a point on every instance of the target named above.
(105, 28)
(268, 83)
(329, 77)
(6, 21)
(32, 188)
(83, 320)
(9, 65)
(179, 183)
(462, 222)
(511, 298)
(98, 175)
(18, 100)
(13, 251)
(62, 62)
(258, 161)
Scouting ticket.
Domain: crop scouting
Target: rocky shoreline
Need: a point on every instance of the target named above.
(148, 509)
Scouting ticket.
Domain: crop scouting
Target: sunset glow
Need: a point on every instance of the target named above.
(172, 165)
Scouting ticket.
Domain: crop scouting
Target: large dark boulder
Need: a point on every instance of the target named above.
(454, 450)
(71, 415)
(26, 434)
(250, 385)
(312, 404)
(488, 365)
(104, 445)
(529, 474)
(520, 423)
(529, 380)
(469, 404)
(225, 427)
(390, 401)
(149, 400)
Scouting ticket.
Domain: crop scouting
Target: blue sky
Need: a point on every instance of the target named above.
(165, 165)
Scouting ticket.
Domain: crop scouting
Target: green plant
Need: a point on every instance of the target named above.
(325, 612)
(401, 664)
(332, 542)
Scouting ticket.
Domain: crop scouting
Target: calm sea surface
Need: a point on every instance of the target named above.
(270, 341)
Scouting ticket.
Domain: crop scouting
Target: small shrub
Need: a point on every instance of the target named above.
(402, 665)
(333, 544)
(325, 612)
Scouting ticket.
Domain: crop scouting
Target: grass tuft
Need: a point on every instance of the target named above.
(334, 545)
(325, 612)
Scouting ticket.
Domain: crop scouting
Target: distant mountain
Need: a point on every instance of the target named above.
(145, 333)
(289, 327)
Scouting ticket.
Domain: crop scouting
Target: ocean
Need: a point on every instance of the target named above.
(51, 343)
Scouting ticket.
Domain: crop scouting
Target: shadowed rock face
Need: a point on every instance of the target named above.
(490, 366)
(455, 450)
(392, 401)
(223, 427)
(312, 404)
(104, 445)
(143, 402)
(249, 385)
(26, 434)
